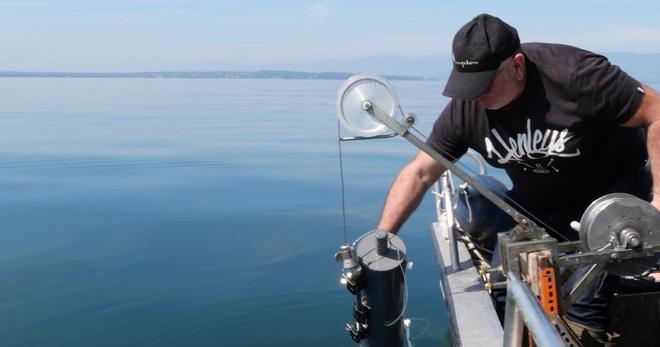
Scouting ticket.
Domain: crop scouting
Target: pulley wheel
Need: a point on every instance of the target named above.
(611, 215)
(361, 88)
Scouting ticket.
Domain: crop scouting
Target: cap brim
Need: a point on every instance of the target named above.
(468, 85)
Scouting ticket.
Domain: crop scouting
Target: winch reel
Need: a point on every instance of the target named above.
(621, 221)
(357, 95)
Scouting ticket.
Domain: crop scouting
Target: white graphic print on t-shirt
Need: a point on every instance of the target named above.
(532, 145)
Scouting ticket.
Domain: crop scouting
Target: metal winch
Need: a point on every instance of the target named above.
(622, 222)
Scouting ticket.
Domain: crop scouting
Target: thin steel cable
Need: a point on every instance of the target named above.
(341, 175)
(506, 198)
(362, 236)
(426, 328)
(405, 288)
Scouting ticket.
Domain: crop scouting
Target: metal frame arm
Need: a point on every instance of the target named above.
(402, 130)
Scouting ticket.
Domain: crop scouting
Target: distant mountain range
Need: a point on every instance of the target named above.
(645, 67)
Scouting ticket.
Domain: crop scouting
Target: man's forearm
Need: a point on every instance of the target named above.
(403, 198)
(653, 146)
(648, 116)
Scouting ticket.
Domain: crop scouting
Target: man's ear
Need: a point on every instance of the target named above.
(518, 64)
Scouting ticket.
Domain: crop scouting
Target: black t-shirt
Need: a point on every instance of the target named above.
(561, 142)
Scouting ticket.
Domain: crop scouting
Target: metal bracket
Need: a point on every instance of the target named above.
(510, 250)
(608, 255)
(408, 121)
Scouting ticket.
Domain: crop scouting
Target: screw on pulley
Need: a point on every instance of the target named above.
(409, 119)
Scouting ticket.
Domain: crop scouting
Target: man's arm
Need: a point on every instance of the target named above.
(408, 190)
(648, 116)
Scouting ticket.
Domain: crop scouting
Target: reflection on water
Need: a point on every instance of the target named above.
(191, 212)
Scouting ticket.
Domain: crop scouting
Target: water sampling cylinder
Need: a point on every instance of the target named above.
(381, 294)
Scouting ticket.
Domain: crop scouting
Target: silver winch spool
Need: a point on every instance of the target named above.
(621, 221)
(372, 89)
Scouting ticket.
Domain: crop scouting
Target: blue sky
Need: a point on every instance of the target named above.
(143, 35)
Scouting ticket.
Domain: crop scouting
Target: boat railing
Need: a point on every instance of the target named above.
(522, 306)
(444, 191)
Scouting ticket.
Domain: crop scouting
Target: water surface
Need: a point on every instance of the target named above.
(138, 212)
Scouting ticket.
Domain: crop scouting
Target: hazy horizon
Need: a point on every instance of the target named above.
(640, 65)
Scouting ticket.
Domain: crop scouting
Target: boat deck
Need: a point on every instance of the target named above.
(474, 321)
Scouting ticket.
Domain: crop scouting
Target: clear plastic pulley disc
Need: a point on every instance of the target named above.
(352, 95)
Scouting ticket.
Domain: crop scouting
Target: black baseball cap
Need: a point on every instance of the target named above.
(479, 48)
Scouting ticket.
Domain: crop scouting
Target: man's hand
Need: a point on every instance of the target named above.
(656, 201)
(655, 275)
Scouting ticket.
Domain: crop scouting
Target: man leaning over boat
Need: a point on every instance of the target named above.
(566, 125)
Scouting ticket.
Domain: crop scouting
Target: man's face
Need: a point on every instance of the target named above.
(504, 89)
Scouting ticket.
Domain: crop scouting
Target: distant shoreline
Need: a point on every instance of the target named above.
(265, 74)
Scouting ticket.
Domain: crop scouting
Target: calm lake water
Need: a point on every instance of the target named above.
(153, 212)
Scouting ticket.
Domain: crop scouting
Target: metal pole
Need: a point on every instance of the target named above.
(513, 324)
(451, 227)
(538, 323)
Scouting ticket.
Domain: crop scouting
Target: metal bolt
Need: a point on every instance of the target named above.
(366, 105)
(631, 238)
(409, 119)
(575, 225)
(634, 241)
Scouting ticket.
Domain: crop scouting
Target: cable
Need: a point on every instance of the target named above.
(405, 289)
(361, 237)
(426, 328)
(341, 174)
(405, 300)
